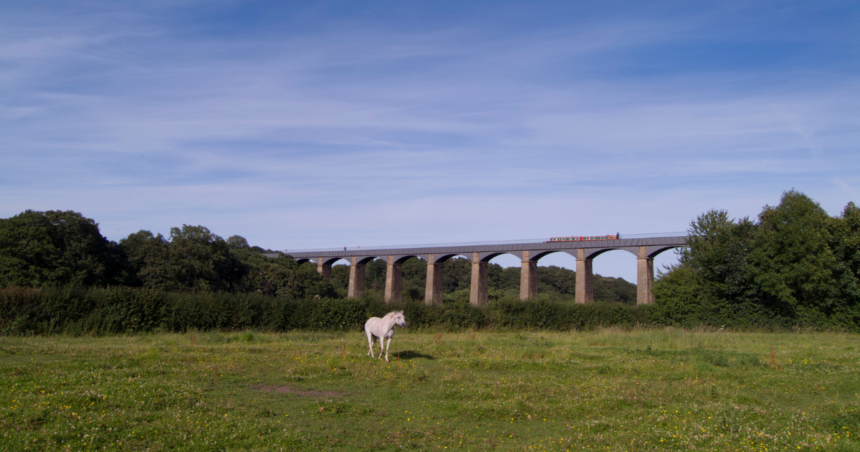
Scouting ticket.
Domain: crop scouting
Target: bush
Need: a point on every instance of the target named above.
(114, 310)
(545, 313)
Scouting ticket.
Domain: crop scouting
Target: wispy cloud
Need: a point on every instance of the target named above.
(354, 129)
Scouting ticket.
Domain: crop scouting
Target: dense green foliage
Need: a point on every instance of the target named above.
(113, 310)
(39, 249)
(795, 266)
(56, 248)
(194, 259)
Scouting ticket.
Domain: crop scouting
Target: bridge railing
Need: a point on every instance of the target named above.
(490, 242)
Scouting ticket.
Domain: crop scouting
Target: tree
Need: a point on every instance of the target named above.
(193, 259)
(792, 261)
(616, 290)
(796, 265)
(845, 243)
(237, 243)
(713, 281)
(201, 260)
(456, 274)
(559, 281)
(680, 297)
(280, 276)
(56, 248)
(149, 260)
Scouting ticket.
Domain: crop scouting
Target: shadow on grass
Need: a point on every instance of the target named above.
(411, 354)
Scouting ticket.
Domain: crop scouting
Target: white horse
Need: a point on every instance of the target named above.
(383, 329)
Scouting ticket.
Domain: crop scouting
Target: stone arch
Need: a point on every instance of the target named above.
(433, 284)
(541, 254)
(365, 259)
(645, 269)
(440, 258)
(528, 271)
(535, 257)
(336, 270)
(584, 272)
(394, 276)
(654, 251)
(591, 253)
(357, 283)
(404, 258)
(487, 257)
(396, 268)
(329, 261)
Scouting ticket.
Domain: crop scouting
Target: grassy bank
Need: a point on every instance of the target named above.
(598, 390)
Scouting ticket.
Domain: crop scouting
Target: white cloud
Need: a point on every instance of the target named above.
(372, 136)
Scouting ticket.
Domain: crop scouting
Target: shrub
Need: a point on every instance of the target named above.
(113, 310)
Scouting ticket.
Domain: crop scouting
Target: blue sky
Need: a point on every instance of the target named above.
(343, 123)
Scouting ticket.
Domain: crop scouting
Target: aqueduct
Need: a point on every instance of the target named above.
(645, 249)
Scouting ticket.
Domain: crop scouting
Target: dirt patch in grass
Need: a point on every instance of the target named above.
(296, 391)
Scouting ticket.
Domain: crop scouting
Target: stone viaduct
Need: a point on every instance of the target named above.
(645, 249)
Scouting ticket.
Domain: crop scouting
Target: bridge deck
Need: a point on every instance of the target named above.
(508, 248)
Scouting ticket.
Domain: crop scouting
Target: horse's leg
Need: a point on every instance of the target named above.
(387, 348)
(370, 344)
(381, 346)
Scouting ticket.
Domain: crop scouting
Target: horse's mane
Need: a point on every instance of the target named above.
(391, 314)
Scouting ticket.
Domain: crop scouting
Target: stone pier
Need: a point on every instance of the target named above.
(478, 295)
(433, 289)
(393, 281)
(644, 277)
(584, 278)
(528, 278)
(324, 268)
(356, 279)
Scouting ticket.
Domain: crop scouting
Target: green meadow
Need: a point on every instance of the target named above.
(607, 390)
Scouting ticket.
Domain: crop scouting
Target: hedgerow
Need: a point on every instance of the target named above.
(120, 310)
(116, 310)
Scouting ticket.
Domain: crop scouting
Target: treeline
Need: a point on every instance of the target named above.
(59, 249)
(793, 266)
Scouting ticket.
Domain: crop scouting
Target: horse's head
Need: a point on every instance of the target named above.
(399, 320)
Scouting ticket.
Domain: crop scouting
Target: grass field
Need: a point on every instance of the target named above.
(602, 390)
